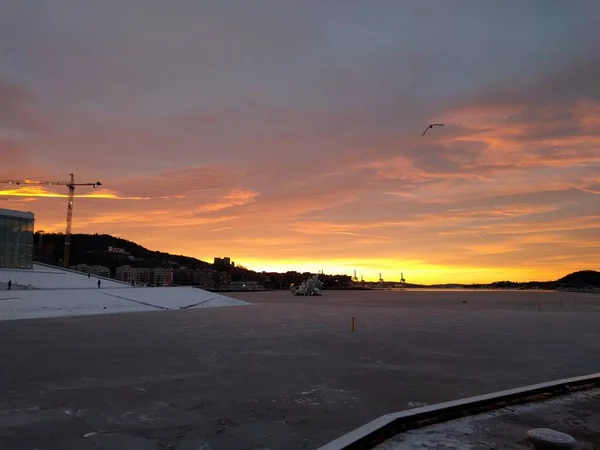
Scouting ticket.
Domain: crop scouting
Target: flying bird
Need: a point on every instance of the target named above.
(431, 126)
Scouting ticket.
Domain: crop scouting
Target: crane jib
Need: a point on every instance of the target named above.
(71, 185)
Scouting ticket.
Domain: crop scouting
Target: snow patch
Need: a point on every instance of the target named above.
(456, 433)
(416, 404)
(74, 302)
(50, 277)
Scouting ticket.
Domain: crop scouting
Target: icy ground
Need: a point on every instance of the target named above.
(575, 414)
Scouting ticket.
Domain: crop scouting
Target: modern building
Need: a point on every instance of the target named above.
(16, 239)
(144, 275)
(99, 271)
(222, 278)
(211, 279)
(136, 274)
(186, 277)
(161, 277)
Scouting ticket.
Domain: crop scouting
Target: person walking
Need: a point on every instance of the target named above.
(9, 284)
(98, 284)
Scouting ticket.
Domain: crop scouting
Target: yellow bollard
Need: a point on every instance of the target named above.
(353, 324)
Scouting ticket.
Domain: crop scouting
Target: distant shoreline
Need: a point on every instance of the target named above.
(423, 288)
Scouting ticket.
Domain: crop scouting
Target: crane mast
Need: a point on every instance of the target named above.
(70, 199)
(71, 185)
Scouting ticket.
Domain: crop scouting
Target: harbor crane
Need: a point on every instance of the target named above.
(71, 185)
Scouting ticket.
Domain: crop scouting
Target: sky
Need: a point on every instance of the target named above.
(287, 134)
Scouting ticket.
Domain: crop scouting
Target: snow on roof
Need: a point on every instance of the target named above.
(57, 292)
(16, 214)
(43, 276)
(29, 304)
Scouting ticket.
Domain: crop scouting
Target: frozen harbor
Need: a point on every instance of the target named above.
(284, 372)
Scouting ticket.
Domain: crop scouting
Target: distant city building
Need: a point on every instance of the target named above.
(206, 278)
(245, 286)
(211, 279)
(16, 239)
(223, 263)
(221, 278)
(99, 271)
(144, 275)
(112, 249)
(186, 277)
(139, 275)
(160, 277)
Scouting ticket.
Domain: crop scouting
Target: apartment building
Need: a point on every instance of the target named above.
(99, 271)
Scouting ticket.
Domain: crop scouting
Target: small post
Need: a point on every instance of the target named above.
(353, 324)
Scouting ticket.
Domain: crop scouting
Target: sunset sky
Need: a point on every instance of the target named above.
(287, 134)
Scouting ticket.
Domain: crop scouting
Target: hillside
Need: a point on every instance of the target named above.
(576, 280)
(582, 278)
(93, 249)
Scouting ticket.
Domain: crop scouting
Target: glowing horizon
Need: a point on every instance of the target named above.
(294, 141)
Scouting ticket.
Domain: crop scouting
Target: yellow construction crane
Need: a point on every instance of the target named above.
(71, 185)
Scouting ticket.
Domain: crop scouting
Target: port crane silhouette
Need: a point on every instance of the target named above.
(69, 184)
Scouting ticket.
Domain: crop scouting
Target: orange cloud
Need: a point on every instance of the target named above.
(216, 230)
(589, 191)
(485, 199)
(37, 191)
(235, 198)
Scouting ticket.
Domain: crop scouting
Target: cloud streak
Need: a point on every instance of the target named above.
(589, 191)
(36, 191)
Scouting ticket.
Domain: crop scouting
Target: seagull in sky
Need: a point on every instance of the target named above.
(431, 126)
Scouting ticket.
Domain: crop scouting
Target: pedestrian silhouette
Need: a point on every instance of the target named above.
(9, 284)
(98, 284)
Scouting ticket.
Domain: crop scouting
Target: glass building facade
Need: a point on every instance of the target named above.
(16, 239)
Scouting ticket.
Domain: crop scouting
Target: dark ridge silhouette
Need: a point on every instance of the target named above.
(93, 249)
(579, 279)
